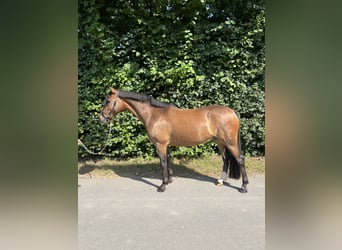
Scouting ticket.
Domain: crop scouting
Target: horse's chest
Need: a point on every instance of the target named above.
(159, 132)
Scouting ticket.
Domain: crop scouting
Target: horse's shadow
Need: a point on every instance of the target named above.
(143, 172)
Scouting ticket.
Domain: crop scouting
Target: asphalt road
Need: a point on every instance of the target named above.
(193, 213)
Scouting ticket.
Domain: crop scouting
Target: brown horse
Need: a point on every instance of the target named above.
(167, 125)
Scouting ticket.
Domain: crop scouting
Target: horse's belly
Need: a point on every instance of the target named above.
(191, 138)
(186, 143)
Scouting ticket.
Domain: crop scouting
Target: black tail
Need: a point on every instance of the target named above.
(234, 166)
(239, 134)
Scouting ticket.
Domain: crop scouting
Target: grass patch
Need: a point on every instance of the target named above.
(209, 167)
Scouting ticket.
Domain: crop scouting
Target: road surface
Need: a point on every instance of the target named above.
(193, 213)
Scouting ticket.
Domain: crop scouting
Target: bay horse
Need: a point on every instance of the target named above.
(167, 125)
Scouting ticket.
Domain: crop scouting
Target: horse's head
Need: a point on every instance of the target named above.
(111, 106)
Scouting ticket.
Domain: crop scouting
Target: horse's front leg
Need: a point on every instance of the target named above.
(169, 169)
(162, 152)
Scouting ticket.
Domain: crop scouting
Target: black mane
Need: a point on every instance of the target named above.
(143, 98)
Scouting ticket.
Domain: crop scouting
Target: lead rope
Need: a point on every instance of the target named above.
(79, 142)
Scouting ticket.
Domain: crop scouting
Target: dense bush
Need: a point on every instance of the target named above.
(190, 53)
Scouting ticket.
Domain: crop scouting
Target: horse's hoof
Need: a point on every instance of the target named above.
(161, 189)
(219, 183)
(243, 190)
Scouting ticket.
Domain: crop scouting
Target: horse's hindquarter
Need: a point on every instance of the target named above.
(193, 126)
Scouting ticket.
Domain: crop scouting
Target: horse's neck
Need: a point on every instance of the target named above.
(140, 110)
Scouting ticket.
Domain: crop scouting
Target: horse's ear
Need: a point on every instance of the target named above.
(112, 90)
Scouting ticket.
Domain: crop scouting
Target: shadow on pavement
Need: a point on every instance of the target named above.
(139, 172)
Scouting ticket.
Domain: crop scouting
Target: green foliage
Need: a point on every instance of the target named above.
(191, 53)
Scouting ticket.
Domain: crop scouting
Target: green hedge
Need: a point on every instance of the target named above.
(190, 53)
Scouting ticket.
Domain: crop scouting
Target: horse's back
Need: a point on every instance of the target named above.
(188, 127)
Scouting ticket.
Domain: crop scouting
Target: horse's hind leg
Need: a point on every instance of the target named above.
(162, 152)
(240, 160)
(244, 174)
(224, 175)
(169, 169)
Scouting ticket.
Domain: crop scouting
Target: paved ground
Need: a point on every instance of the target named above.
(128, 213)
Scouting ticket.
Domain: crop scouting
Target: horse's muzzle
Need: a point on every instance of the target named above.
(103, 118)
